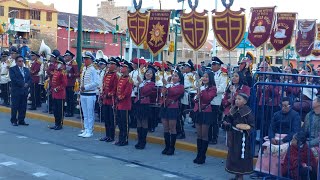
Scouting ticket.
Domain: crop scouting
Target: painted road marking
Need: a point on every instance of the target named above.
(70, 150)
(8, 163)
(169, 175)
(39, 174)
(2, 132)
(132, 165)
(22, 137)
(99, 157)
(44, 143)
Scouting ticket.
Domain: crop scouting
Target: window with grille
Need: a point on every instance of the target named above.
(179, 53)
(34, 34)
(35, 15)
(49, 16)
(1, 11)
(86, 38)
(189, 54)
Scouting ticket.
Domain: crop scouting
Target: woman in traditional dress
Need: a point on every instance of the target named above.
(172, 93)
(203, 114)
(143, 110)
(239, 125)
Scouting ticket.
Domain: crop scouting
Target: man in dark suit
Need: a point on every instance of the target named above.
(20, 83)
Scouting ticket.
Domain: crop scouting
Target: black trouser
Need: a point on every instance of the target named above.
(214, 129)
(109, 120)
(19, 105)
(180, 121)
(51, 108)
(133, 120)
(123, 125)
(5, 92)
(70, 100)
(42, 93)
(58, 111)
(35, 95)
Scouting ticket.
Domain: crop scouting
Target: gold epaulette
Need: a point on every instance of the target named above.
(38, 62)
(118, 74)
(157, 77)
(74, 62)
(191, 79)
(168, 73)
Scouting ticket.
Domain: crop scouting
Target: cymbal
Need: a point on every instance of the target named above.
(243, 126)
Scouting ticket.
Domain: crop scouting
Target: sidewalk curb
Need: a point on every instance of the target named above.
(132, 135)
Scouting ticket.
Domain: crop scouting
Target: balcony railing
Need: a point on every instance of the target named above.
(92, 44)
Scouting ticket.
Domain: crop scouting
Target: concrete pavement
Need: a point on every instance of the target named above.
(35, 152)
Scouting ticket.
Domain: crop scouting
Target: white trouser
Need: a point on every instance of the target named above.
(87, 105)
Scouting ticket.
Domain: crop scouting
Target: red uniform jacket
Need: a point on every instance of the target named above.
(146, 92)
(123, 94)
(206, 97)
(271, 95)
(173, 96)
(109, 88)
(72, 72)
(59, 83)
(34, 70)
(228, 95)
(50, 71)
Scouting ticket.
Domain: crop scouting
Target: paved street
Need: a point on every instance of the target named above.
(35, 152)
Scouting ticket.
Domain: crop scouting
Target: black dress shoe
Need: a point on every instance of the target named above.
(109, 140)
(213, 142)
(52, 127)
(14, 124)
(58, 128)
(23, 123)
(103, 139)
(51, 112)
(122, 143)
(68, 115)
(33, 108)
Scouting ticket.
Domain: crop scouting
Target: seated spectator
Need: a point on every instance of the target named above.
(299, 160)
(286, 121)
(311, 125)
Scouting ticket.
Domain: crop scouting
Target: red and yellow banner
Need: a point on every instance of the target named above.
(158, 28)
(137, 26)
(260, 25)
(316, 50)
(194, 28)
(306, 32)
(283, 30)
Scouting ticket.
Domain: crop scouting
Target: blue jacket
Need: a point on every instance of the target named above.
(24, 51)
(17, 81)
(288, 123)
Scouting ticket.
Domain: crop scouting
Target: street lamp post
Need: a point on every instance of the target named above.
(79, 36)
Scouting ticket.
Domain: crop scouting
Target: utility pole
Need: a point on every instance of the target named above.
(79, 37)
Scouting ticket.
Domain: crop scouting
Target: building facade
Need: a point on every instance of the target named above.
(96, 34)
(109, 10)
(29, 21)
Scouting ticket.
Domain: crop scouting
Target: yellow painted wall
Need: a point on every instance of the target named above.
(52, 31)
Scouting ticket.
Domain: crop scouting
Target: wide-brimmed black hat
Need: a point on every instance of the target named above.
(103, 61)
(127, 64)
(5, 53)
(34, 54)
(55, 53)
(60, 59)
(189, 64)
(152, 68)
(113, 60)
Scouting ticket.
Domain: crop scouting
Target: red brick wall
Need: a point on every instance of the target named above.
(110, 49)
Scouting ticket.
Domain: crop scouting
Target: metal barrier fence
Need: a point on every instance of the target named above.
(280, 157)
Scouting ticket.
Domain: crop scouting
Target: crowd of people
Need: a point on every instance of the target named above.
(141, 94)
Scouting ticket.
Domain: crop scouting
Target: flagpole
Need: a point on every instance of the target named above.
(69, 34)
(214, 53)
(131, 43)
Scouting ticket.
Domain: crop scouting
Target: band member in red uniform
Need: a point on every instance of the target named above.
(107, 97)
(203, 114)
(143, 111)
(58, 91)
(172, 93)
(123, 99)
(35, 87)
(50, 70)
(72, 75)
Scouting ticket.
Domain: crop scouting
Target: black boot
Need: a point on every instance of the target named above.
(172, 144)
(144, 138)
(203, 152)
(199, 143)
(167, 142)
(139, 134)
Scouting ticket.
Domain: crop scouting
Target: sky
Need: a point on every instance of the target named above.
(306, 9)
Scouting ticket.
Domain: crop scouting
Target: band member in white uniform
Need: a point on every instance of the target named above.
(220, 79)
(89, 82)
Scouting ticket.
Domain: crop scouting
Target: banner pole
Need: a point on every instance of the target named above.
(283, 58)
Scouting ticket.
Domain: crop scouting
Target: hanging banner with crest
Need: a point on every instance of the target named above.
(229, 26)
(306, 32)
(137, 24)
(283, 30)
(316, 50)
(195, 27)
(260, 25)
(158, 28)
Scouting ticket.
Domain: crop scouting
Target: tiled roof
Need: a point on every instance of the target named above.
(89, 23)
(37, 5)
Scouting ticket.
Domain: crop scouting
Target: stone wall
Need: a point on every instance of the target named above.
(108, 10)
